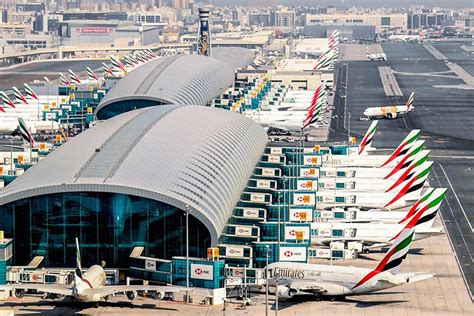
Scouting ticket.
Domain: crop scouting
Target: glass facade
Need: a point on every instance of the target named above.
(108, 225)
(120, 107)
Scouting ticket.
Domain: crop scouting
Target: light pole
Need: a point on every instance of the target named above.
(187, 253)
(46, 80)
(284, 206)
(276, 295)
(348, 131)
(267, 252)
(11, 155)
(279, 221)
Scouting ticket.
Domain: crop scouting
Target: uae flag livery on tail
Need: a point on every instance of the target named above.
(416, 183)
(6, 99)
(411, 170)
(25, 133)
(19, 96)
(393, 258)
(74, 77)
(403, 148)
(107, 70)
(64, 80)
(368, 137)
(117, 63)
(430, 202)
(425, 211)
(409, 103)
(29, 92)
(91, 74)
(414, 153)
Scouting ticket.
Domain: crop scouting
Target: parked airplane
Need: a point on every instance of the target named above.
(88, 286)
(328, 280)
(376, 56)
(391, 111)
(375, 235)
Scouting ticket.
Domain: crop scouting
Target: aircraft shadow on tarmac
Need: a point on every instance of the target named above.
(72, 307)
(283, 304)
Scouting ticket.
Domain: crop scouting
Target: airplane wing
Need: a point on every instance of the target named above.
(120, 289)
(370, 244)
(44, 288)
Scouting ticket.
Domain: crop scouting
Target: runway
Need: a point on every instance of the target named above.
(444, 116)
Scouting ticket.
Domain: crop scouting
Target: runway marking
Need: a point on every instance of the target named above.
(451, 242)
(457, 199)
(452, 213)
(453, 157)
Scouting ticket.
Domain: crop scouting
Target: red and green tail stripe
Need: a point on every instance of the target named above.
(392, 259)
(369, 136)
(404, 146)
(411, 186)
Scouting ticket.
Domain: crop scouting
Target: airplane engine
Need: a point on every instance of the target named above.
(20, 293)
(286, 292)
(131, 295)
(392, 115)
(157, 295)
(52, 296)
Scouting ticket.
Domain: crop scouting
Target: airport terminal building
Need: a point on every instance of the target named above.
(128, 182)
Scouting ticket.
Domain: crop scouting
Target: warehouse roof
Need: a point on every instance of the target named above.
(149, 153)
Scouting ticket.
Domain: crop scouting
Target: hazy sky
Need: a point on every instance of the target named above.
(348, 3)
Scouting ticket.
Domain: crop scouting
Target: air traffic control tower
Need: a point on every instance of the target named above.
(204, 33)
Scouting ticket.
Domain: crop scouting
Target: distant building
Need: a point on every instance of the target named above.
(71, 4)
(419, 19)
(102, 16)
(180, 4)
(259, 19)
(37, 7)
(285, 18)
(145, 18)
(379, 20)
(82, 32)
(349, 31)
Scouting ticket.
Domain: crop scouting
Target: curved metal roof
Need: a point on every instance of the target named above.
(235, 57)
(180, 155)
(179, 79)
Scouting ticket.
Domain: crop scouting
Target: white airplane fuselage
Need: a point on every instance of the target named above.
(387, 112)
(337, 280)
(367, 233)
(93, 278)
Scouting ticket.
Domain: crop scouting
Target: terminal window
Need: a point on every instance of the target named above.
(385, 21)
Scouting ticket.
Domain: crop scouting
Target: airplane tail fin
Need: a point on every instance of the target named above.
(25, 133)
(6, 99)
(394, 257)
(412, 187)
(19, 96)
(414, 154)
(366, 142)
(405, 145)
(425, 210)
(74, 77)
(414, 167)
(78, 260)
(409, 103)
